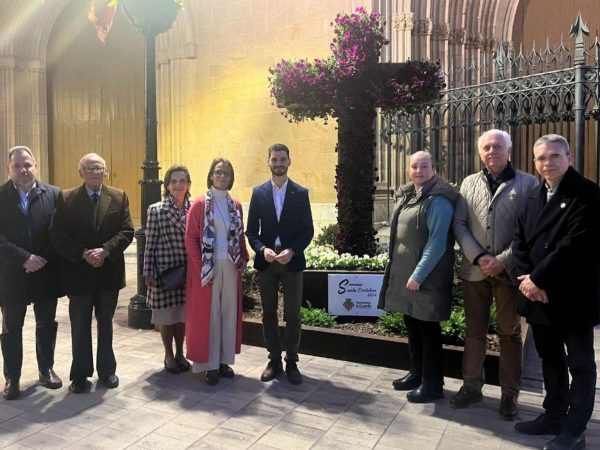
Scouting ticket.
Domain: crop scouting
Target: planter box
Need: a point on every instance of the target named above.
(314, 287)
(367, 349)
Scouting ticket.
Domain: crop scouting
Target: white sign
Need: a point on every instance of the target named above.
(354, 295)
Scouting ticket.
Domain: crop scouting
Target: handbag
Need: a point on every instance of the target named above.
(173, 278)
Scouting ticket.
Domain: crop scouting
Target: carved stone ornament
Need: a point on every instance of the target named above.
(457, 36)
(440, 31)
(403, 21)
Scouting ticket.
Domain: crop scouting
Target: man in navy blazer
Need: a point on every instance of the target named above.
(28, 269)
(279, 229)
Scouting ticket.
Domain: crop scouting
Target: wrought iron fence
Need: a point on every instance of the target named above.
(554, 90)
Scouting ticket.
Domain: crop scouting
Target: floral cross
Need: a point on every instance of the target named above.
(349, 85)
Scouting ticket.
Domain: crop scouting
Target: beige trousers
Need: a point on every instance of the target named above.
(223, 317)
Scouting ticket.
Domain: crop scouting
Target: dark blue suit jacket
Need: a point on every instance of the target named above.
(295, 227)
(21, 236)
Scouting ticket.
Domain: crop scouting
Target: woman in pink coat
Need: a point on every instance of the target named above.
(217, 255)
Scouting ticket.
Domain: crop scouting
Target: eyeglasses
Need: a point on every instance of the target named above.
(554, 157)
(93, 169)
(221, 173)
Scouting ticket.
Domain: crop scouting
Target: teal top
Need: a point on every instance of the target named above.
(439, 217)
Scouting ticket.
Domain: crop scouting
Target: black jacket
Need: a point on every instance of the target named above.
(23, 235)
(558, 244)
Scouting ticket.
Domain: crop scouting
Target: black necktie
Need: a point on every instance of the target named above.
(95, 198)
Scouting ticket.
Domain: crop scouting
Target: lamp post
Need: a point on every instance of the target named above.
(150, 17)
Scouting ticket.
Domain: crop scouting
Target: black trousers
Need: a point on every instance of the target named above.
(577, 400)
(103, 304)
(425, 350)
(268, 283)
(13, 318)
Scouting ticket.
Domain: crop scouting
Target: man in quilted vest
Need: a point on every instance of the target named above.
(484, 225)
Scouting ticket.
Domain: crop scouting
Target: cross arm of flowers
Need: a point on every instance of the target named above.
(311, 90)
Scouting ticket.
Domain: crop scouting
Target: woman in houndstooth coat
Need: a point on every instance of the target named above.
(165, 250)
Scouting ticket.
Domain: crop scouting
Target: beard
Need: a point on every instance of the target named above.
(279, 170)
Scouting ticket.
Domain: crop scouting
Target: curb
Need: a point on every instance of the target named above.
(382, 351)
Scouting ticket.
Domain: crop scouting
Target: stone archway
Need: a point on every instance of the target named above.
(28, 26)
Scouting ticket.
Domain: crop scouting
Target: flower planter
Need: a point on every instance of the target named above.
(314, 287)
(367, 349)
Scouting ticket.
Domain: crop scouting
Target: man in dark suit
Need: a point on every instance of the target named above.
(91, 229)
(560, 294)
(28, 269)
(279, 229)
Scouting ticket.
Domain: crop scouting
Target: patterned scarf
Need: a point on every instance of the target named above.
(181, 214)
(208, 238)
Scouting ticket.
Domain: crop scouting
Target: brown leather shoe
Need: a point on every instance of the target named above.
(273, 369)
(508, 407)
(11, 390)
(292, 372)
(50, 380)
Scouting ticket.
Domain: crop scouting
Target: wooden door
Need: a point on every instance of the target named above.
(96, 101)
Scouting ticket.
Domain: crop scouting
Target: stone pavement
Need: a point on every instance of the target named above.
(340, 405)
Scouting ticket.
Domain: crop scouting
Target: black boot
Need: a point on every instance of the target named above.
(426, 393)
(408, 382)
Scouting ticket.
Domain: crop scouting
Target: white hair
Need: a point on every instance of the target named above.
(89, 156)
(504, 134)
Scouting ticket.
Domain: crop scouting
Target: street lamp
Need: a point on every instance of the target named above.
(150, 17)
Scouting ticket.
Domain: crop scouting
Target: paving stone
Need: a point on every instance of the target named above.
(287, 436)
(225, 438)
(309, 420)
(353, 435)
(340, 405)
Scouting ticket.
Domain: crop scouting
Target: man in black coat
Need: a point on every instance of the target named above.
(28, 269)
(560, 295)
(279, 229)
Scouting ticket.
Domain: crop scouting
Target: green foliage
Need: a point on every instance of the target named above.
(493, 328)
(317, 317)
(392, 323)
(249, 283)
(455, 328)
(326, 235)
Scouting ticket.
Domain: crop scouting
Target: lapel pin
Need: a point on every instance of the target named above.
(563, 204)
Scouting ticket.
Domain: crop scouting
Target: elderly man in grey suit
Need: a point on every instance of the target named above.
(484, 225)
